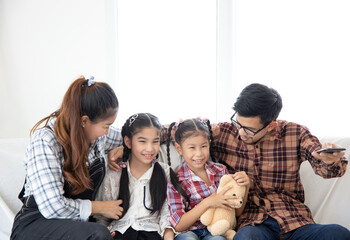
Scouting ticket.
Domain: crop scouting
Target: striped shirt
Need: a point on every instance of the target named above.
(273, 165)
(195, 188)
(44, 179)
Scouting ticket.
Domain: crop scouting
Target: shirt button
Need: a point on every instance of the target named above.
(256, 146)
(267, 210)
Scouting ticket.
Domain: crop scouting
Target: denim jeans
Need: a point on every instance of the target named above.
(197, 234)
(269, 230)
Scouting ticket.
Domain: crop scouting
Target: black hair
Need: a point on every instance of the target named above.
(98, 101)
(259, 100)
(187, 128)
(158, 181)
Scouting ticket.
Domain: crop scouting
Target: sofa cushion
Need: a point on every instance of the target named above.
(11, 181)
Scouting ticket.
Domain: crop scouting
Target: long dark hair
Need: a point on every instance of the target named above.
(158, 182)
(97, 101)
(187, 128)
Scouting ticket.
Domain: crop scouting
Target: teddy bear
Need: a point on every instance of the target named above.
(220, 221)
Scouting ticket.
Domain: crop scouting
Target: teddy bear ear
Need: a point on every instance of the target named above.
(225, 179)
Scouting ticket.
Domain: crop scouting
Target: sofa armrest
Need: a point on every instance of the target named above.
(12, 153)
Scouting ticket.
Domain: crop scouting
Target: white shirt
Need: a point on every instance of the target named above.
(137, 216)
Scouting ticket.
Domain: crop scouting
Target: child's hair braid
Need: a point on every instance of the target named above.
(173, 177)
(211, 141)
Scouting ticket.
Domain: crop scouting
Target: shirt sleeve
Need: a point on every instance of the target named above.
(175, 204)
(309, 144)
(109, 189)
(45, 180)
(113, 139)
(164, 221)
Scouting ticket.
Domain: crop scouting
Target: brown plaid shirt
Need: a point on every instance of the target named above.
(273, 165)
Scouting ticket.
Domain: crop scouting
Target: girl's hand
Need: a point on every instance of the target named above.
(109, 209)
(114, 157)
(220, 200)
(168, 234)
(241, 178)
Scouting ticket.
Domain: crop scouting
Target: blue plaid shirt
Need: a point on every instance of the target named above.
(44, 179)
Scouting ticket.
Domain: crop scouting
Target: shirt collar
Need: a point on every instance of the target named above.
(189, 174)
(275, 133)
(146, 176)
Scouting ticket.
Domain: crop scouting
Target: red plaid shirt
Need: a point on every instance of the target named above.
(195, 188)
(273, 165)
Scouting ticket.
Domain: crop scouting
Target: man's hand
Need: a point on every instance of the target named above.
(329, 158)
(114, 157)
(241, 178)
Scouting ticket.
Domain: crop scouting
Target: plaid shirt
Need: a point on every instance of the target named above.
(195, 188)
(44, 178)
(273, 165)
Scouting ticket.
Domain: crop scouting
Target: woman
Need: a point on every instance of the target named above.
(65, 165)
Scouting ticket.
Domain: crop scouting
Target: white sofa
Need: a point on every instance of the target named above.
(327, 199)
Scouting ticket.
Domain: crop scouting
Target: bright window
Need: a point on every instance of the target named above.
(180, 59)
(301, 48)
(167, 58)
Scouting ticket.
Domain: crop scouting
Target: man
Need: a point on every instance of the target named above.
(271, 151)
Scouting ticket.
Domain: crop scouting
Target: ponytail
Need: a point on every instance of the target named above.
(158, 188)
(124, 193)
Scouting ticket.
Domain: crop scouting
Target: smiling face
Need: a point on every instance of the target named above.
(254, 124)
(94, 130)
(195, 151)
(144, 145)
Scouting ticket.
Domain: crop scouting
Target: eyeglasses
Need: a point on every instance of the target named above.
(246, 130)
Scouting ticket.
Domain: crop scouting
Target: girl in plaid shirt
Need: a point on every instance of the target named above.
(192, 189)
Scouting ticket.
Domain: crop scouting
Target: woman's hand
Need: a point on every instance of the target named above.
(114, 157)
(108, 209)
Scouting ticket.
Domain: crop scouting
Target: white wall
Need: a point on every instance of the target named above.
(176, 59)
(44, 46)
